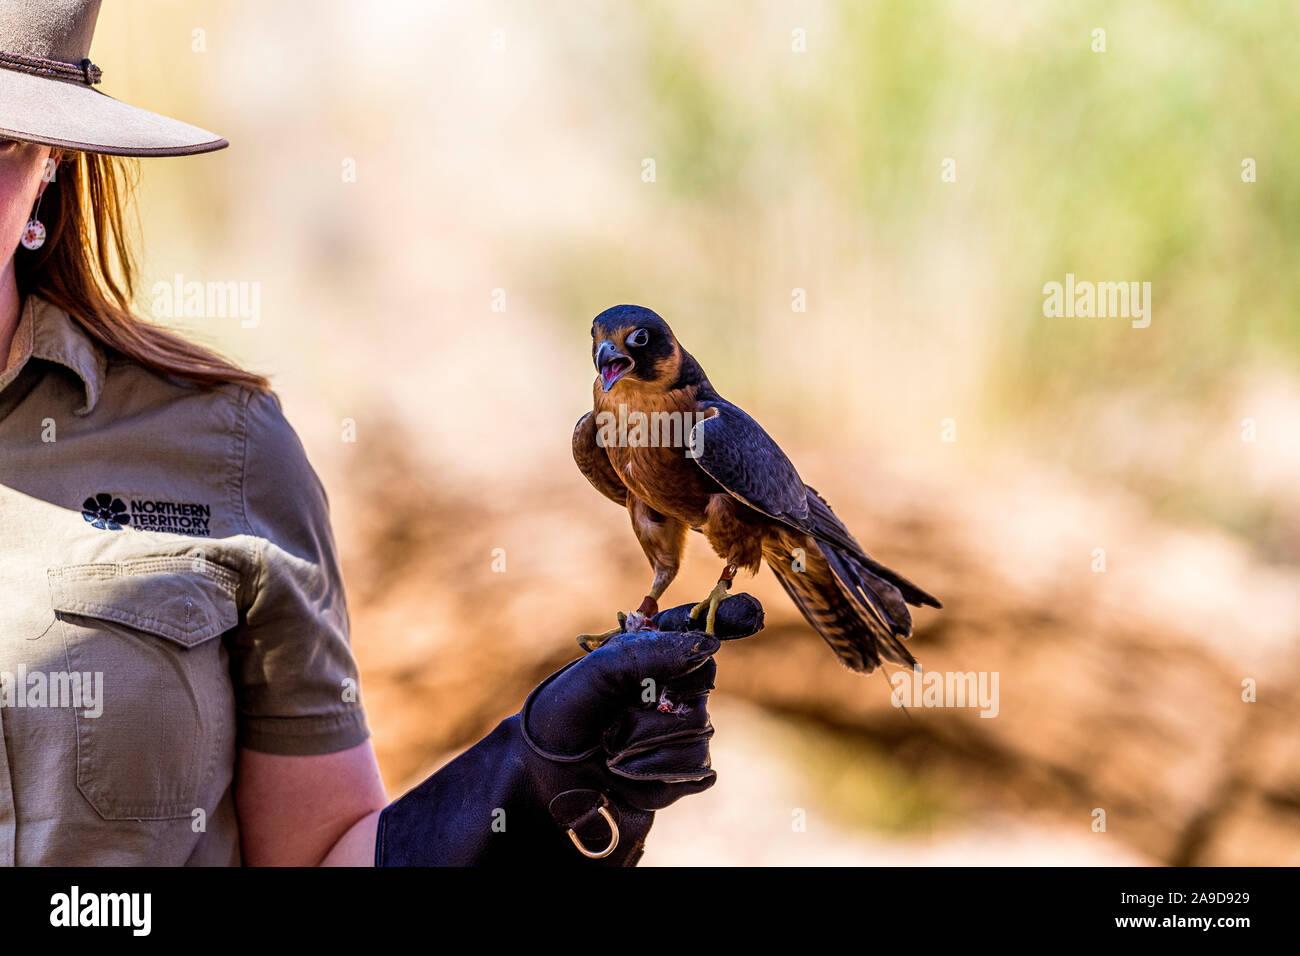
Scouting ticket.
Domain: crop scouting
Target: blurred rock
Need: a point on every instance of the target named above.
(1111, 696)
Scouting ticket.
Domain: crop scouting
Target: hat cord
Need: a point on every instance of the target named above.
(83, 72)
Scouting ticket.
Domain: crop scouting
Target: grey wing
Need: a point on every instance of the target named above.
(735, 452)
(593, 461)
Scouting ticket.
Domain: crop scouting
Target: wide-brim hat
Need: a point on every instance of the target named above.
(48, 95)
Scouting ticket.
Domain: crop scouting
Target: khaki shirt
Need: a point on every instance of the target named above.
(168, 590)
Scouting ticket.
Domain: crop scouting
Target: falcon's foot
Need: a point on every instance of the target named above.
(589, 642)
(710, 603)
(638, 620)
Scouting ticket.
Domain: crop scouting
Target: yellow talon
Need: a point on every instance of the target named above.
(711, 603)
(590, 642)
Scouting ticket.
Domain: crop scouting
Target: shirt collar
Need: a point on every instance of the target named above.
(55, 337)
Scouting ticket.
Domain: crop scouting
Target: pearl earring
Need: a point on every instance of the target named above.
(34, 234)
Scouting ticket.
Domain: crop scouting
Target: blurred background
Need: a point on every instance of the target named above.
(434, 199)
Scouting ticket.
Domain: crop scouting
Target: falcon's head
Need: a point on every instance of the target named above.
(631, 342)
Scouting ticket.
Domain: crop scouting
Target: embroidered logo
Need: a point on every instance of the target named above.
(110, 513)
(105, 512)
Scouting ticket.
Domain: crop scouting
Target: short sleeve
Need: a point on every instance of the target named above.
(291, 660)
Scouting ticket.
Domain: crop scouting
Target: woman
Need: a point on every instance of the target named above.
(178, 682)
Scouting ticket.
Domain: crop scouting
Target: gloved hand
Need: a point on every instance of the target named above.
(576, 776)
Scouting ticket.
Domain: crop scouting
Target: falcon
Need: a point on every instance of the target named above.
(661, 442)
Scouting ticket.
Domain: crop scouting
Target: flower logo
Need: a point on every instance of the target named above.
(105, 512)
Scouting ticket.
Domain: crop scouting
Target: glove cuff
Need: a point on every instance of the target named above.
(501, 804)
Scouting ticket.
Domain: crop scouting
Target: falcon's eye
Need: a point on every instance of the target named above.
(638, 338)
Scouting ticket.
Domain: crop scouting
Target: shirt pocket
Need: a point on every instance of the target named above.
(167, 724)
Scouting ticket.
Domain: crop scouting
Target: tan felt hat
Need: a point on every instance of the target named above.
(48, 95)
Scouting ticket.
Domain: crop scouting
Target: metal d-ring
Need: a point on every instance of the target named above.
(613, 838)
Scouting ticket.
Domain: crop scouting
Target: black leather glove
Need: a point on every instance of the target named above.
(576, 776)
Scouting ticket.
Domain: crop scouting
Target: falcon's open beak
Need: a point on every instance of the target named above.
(611, 364)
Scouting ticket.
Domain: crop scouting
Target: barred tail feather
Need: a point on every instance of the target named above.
(863, 617)
(829, 529)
